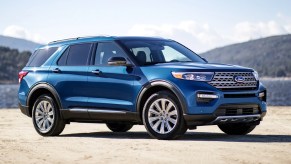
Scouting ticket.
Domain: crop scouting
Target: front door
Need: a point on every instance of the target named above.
(111, 87)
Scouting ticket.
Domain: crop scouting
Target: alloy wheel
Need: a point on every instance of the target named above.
(162, 116)
(44, 116)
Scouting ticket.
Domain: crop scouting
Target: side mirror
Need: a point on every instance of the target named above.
(117, 61)
(205, 60)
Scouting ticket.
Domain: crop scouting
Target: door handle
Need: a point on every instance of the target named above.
(56, 70)
(96, 72)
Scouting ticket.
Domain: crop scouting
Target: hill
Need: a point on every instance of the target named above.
(11, 62)
(270, 56)
(16, 43)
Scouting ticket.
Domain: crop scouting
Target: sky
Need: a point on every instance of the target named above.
(200, 25)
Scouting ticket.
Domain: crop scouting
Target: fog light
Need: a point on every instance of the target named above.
(207, 96)
(262, 94)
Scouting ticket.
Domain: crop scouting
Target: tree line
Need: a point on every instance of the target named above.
(11, 62)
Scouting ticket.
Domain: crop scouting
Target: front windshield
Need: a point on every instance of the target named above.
(148, 52)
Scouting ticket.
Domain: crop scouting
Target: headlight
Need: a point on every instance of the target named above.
(256, 75)
(196, 76)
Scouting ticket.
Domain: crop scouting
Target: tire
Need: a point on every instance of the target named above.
(163, 116)
(119, 127)
(236, 129)
(46, 117)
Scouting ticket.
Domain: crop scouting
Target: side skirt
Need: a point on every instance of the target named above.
(99, 115)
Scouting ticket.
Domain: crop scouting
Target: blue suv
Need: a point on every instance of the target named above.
(124, 81)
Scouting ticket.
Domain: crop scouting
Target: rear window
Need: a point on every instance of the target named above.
(76, 55)
(40, 56)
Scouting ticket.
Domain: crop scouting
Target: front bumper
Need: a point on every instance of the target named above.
(249, 107)
(211, 119)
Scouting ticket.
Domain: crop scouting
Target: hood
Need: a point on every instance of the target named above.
(192, 66)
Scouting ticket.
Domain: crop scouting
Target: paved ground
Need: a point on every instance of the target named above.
(270, 142)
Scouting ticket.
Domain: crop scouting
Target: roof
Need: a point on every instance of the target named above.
(101, 38)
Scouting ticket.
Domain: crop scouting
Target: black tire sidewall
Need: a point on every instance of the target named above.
(180, 123)
(119, 127)
(236, 129)
(56, 112)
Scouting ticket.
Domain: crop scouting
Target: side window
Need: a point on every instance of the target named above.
(40, 56)
(106, 51)
(63, 58)
(77, 55)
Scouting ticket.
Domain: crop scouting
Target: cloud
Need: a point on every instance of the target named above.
(198, 36)
(20, 32)
(247, 30)
(202, 37)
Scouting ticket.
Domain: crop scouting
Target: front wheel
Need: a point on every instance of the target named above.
(236, 129)
(46, 117)
(119, 127)
(162, 116)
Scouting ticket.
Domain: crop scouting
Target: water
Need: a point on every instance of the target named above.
(8, 96)
(278, 93)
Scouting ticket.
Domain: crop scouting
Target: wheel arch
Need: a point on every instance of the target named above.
(40, 89)
(155, 86)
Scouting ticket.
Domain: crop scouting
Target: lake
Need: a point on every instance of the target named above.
(278, 93)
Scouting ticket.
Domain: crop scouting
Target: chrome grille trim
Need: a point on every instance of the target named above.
(225, 80)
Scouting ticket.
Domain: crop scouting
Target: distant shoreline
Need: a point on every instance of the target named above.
(275, 78)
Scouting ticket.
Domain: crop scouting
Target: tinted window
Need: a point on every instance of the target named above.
(63, 59)
(40, 56)
(106, 51)
(78, 54)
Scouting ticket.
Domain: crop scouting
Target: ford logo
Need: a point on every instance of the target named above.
(239, 79)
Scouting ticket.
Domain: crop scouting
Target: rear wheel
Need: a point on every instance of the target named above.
(162, 116)
(236, 129)
(119, 127)
(46, 117)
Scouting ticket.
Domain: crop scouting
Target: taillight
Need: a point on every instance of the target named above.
(21, 75)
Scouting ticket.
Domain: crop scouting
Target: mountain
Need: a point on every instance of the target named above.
(270, 56)
(11, 62)
(17, 43)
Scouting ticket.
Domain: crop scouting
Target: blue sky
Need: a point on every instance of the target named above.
(201, 25)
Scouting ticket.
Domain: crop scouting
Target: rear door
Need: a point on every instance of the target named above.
(111, 87)
(69, 75)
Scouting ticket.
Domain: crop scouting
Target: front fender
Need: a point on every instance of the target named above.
(162, 83)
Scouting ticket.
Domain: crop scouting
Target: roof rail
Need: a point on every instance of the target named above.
(56, 41)
(77, 38)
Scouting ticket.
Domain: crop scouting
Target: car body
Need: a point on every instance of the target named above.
(121, 80)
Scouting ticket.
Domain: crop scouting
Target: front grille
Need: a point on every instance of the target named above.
(234, 110)
(225, 81)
